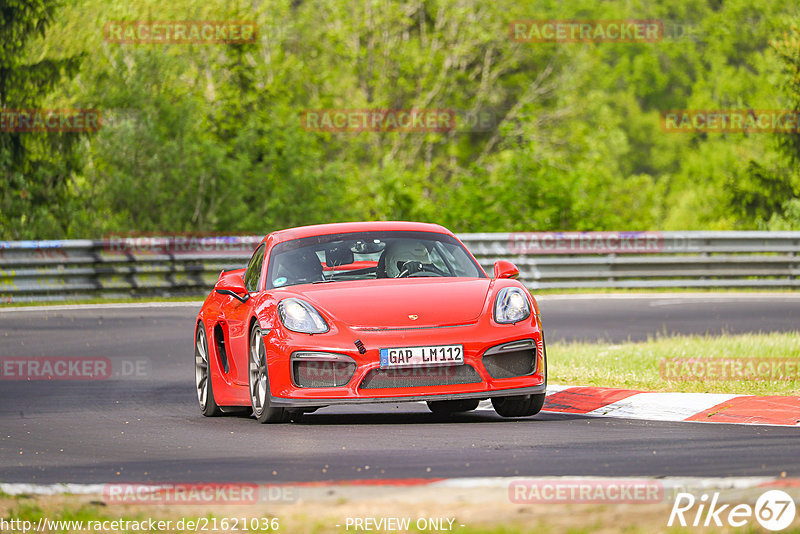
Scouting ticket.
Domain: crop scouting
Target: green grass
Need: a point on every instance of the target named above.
(32, 509)
(26, 509)
(50, 508)
(320, 516)
(638, 365)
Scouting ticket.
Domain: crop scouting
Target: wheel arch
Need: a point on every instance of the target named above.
(253, 321)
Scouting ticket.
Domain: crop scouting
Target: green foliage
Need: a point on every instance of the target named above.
(788, 219)
(209, 137)
(35, 168)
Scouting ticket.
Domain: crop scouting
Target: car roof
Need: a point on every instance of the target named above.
(350, 227)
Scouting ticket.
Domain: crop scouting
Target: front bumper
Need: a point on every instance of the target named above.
(476, 339)
(280, 402)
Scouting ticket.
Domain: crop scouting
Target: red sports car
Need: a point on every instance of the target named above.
(368, 312)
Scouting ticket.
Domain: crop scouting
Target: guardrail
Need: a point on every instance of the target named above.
(189, 266)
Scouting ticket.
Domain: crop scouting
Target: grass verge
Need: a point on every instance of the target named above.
(750, 364)
(472, 511)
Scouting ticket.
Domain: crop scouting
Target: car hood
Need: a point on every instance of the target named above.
(400, 303)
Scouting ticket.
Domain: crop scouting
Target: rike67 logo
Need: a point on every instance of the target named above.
(774, 510)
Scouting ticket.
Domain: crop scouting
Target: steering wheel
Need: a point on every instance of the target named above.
(415, 268)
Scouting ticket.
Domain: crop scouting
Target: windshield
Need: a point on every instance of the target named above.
(369, 255)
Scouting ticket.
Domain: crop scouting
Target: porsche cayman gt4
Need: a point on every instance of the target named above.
(368, 312)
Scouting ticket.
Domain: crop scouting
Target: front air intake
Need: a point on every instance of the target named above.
(321, 369)
(510, 360)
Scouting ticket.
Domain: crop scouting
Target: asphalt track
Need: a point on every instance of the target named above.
(148, 427)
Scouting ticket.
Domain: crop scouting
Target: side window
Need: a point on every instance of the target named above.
(254, 269)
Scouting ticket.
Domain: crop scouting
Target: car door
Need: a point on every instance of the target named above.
(238, 317)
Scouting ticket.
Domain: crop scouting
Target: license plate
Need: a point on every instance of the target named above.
(418, 356)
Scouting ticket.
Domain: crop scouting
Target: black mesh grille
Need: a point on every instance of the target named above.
(316, 374)
(420, 376)
(510, 364)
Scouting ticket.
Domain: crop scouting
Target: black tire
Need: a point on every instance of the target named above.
(258, 382)
(518, 405)
(448, 407)
(202, 374)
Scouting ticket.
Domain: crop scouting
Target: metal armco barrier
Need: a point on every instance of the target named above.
(189, 266)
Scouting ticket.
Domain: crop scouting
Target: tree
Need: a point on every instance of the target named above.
(35, 168)
(768, 194)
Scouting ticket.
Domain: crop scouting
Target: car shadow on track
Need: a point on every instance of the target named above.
(422, 418)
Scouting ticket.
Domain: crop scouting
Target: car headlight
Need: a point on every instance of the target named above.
(511, 306)
(300, 316)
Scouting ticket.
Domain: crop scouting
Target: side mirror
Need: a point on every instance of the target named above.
(505, 269)
(233, 285)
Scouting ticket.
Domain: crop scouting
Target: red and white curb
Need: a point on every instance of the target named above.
(660, 406)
